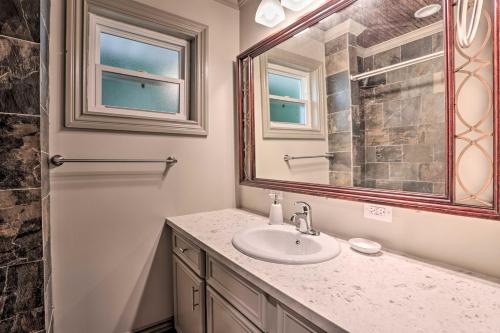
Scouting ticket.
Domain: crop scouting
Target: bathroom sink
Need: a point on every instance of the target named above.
(283, 244)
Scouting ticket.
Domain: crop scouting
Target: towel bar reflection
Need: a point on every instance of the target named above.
(59, 160)
(287, 158)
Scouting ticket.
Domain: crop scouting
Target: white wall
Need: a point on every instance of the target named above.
(111, 258)
(464, 242)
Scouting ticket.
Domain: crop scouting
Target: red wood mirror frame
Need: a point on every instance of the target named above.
(418, 201)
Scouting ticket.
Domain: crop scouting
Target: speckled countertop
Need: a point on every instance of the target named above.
(359, 293)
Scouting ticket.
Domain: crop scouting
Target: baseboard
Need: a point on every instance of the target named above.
(162, 326)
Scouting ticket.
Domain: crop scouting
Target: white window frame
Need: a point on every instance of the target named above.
(305, 93)
(98, 25)
(312, 73)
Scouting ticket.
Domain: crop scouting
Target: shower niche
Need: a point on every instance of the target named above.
(381, 101)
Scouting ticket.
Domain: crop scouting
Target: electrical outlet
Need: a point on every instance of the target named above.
(378, 212)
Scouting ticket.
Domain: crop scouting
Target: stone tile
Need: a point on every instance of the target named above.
(339, 142)
(20, 19)
(19, 151)
(437, 42)
(19, 77)
(377, 137)
(340, 101)
(373, 81)
(386, 58)
(403, 135)
(353, 59)
(438, 188)
(439, 152)
(374, 116)
(341, 162)
(370, 154)
(422, 68)
(377, 170)
(420, 187)
(417, 153)
(433, 109)
(384, 184)
(340, 179)
(21, 226)
(418, 86)
(398, 75)
(438, 85)
(23, 291)
(431, 133)
(28, 321)
(357, 176)
(410, 111)
(388, 92)
(355, 94)
(337, 62)
(403, 171)
(339, 122)
(352, 40)
(359, 61)
(389, 153)
(368, 64)
(432, 172)
(337, 82)
(358, 119)
(336, 45)
(358, 150)
(392, 113)
(416, 48)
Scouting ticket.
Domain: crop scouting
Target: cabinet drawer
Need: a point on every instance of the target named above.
(222, 317)
(289, 322)
(191, 254)
(245, 297)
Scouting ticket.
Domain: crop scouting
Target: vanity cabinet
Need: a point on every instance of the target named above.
(209, 297)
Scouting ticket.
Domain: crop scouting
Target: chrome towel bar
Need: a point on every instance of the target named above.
(59, 160)
(287, 158)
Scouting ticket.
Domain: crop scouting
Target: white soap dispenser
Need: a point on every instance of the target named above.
(276, 211)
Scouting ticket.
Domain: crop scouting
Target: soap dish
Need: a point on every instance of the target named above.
(364, 245)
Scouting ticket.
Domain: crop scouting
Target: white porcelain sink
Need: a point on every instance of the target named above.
(283, 244)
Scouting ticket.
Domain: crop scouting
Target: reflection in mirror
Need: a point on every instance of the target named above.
(358, 100)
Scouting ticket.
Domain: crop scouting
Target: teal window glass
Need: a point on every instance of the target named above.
(287, 112)
(122, 91)
(138, 56)
(285, 86)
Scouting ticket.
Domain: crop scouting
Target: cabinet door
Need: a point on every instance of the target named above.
(222, 317)
(189, 299)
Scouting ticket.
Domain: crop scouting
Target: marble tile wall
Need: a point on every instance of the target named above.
(24, 184)
(404, 114)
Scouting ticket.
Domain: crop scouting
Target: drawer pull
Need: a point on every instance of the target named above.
(193, 291)
(183, 249)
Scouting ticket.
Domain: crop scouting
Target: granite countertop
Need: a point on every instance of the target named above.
(359, 293)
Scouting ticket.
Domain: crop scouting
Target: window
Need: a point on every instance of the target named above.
(145, 70)
(136, 72)
(288, 96)
(292, 96)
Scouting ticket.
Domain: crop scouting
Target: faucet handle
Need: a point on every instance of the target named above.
(306, 208)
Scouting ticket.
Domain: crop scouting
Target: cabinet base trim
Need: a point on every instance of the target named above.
(162, 326)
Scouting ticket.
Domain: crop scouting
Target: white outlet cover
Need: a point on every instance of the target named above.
(378, 212)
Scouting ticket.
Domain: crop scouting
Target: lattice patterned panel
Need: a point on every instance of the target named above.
(474, 117)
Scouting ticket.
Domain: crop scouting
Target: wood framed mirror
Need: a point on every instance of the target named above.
(375, 101)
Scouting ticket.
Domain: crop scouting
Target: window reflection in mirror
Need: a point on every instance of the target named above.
(358, 99)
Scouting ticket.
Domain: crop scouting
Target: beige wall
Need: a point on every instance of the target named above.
(465, 242)
(110, 254)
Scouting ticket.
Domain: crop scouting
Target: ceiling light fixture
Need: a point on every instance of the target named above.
(427, 11)
(296, 5)
(270, 13)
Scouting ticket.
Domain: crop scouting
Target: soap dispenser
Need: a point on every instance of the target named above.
(276, 211)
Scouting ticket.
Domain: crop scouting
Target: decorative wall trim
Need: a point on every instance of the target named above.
(403, 39)
(162, 326)
(230, 3)
(348, 26)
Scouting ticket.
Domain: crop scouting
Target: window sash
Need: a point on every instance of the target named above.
(304, 77)
(99, 24)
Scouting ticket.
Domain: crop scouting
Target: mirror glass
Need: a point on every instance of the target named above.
(357, 100)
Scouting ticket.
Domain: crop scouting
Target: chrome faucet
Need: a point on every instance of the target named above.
(305, 214)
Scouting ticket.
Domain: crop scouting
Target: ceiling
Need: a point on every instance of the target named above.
(384, 19)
